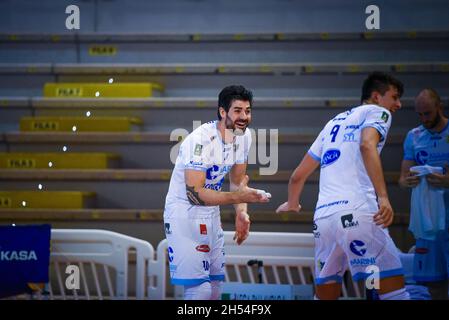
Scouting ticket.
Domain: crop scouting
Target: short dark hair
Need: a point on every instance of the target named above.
(231, 93)
(380, 82)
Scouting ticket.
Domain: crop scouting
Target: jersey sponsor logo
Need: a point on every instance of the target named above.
(422, 157)
(384, 116)
(358, 247)
(216, 172)
(22, 255)
(329, 157)
(203, 229)
(316, 234)
(196, 163)
(167, 228)
(203, 248)
(214, 186)
(349, 137)
(347, 221)
(332, 204)
(198, 149)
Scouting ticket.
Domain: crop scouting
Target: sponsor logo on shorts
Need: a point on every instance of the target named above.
(348, 221)
(421, 250)
(358, 248)
(173, 267)
(363, 261)
(167, 228)
(203, 248)
(170, 254)
(316, 234)
(320, 265)
(203, 229)
(329, 157)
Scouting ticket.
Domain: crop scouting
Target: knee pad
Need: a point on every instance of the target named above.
(201, 291)
(216, 290)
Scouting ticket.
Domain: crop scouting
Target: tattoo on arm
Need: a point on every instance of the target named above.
(193, 196)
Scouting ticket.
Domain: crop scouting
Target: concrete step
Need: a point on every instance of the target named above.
(137, 148)
(148, 188)
(12, 200)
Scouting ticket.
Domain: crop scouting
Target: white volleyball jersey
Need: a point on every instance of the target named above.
(205, 150)
(344, 181)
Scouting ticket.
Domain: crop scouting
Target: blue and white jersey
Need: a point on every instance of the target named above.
(432, 148)
(344, 182)
(204, 150)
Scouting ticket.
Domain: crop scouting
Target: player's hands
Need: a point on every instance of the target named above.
(250, 195)
(242, 224)
(410, 181)
(385, 214)
(439, 180)
(285, 207)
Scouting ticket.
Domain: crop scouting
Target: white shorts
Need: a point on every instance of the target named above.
(195, 245)
(351, 239)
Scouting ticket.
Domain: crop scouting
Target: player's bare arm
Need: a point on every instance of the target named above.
(242, 219)
(407, 178)
(296, 184)
(198, 195)
(371, 159)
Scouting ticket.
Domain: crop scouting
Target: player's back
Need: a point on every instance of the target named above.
(344, 182)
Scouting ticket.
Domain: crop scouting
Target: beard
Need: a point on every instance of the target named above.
(238, 127)
(433, 123)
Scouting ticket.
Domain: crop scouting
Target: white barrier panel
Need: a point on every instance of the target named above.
(95, 255)
(287, 258)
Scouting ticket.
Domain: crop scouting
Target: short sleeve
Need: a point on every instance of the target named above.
(379, 119)
(316, 149)
(409, 153)
(194, 152)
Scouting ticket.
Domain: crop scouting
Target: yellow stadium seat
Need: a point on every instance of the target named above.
(78, 124)
(45, 199)
(56, 160)
(101, 90)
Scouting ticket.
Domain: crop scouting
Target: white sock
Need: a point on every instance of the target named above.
(315, 297)
(400, 294)
(201, 291)
(216, 290)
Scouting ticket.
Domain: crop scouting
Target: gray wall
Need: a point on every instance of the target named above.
(230, 16)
